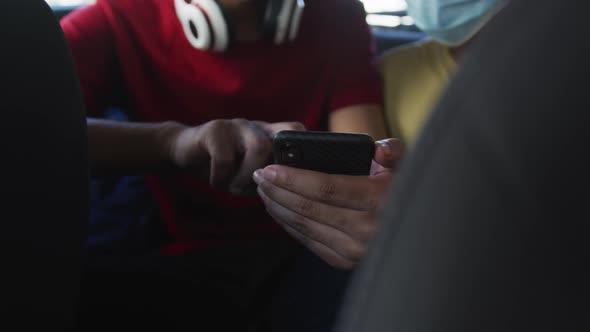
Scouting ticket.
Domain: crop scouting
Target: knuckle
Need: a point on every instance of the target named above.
(216, 130)
(341, 221)
(296, 126)
(240, 121)
(216, 124)
(241, 124)
(287, 180)
(327, 191)
(307, 208)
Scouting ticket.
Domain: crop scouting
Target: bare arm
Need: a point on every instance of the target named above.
(226, 152)
(367, 119)
(130, 147)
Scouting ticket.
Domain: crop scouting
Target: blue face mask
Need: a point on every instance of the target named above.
(452, 22)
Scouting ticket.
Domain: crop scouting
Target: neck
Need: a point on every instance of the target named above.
(248, 21)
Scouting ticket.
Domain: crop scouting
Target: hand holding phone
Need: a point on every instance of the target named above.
(333, 215)
(326, 152)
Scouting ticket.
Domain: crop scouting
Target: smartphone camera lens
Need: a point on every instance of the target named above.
(290, 153)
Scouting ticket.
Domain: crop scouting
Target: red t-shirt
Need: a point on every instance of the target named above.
(137, 48)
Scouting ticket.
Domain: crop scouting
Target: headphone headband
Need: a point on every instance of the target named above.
(206, 27)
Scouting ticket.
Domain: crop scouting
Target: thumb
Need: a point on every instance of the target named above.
(388, 152)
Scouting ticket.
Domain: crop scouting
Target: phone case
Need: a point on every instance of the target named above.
(326, 152)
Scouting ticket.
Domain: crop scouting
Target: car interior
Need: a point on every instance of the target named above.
(484, 230)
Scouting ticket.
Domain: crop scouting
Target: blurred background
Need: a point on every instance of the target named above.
(389, 14)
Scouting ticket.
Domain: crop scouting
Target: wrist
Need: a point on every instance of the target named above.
(167, 136)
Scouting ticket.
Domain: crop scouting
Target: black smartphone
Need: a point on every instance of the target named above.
(326, 152)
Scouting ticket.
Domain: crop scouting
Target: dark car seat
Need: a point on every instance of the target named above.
(486, 227)
(44, 171)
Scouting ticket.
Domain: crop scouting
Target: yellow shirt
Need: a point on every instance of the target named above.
(414, 78)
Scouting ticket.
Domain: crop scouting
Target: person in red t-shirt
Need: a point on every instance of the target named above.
(190, 71)
(149, 52)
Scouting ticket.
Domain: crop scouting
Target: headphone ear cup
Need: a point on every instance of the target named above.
(286, 18)
(219, 26)
(283, 18)
(273, 9)
(296, 19)
(195, 24)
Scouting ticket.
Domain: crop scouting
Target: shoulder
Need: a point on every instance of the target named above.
(138, 5)
(141, 11)
(118, 9)
(411, 56)
(146, 22)
(408, 52)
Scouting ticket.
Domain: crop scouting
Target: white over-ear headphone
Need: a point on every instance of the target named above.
(206, 27)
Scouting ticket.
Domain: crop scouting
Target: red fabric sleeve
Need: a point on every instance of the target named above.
(90, 39)
(356, 75)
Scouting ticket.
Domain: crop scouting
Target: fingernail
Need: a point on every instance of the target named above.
(270, 174)
(257, 176)
(386, 148)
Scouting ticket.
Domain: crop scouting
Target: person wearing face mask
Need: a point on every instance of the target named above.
(338, 225)
(208, 83)
(416, 75)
